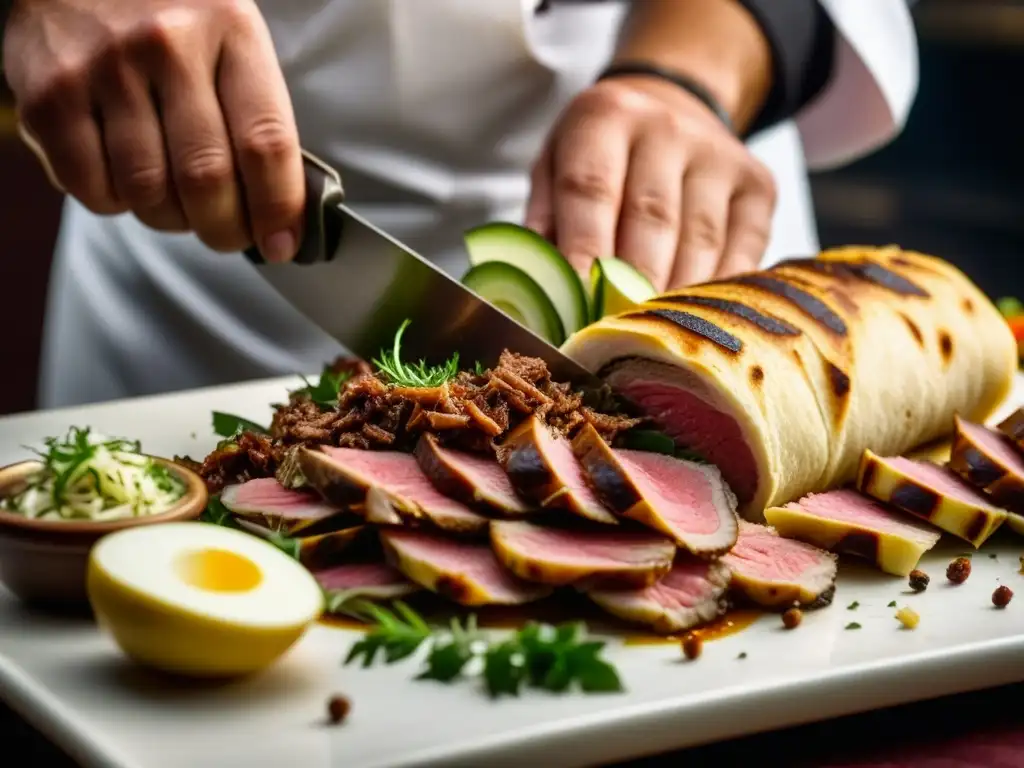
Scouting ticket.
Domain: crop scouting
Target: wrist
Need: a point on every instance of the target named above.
(716, 43)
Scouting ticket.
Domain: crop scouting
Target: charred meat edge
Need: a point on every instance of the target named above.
(556, 573)
(978, 467)
(450, 480)
(614, 486)
(339, 486)
(534, 477)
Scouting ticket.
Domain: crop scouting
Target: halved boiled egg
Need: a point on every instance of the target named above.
(199, 599)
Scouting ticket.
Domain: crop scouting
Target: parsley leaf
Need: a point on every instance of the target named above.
(327, 388)
(413, 374)
(217, 513)
(228, 425)
(551, 658)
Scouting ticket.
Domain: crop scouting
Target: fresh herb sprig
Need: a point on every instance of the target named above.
(231, 426)
(653, 441)
(218, 514)
(325, 391)
(417, 374)
(538, 655)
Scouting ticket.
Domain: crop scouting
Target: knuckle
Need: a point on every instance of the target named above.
(225, 240)
(50, 94)
(761, 181)
(589, 183)
(703, 232)
(202, 170)
(651, 207)
(267, 141)
(608, 97)
(144, 186)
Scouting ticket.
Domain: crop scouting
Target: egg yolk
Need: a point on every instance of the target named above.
(218, 570)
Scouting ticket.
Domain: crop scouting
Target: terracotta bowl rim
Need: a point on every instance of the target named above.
(188, 507)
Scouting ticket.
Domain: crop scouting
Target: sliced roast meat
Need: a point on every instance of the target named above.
(595, 557)
(776, 572)
(688, 502)
(266, 500)
(475, 480)
(465, 572)
(390, 485)
(541, 466)
(988, 460)
(324, 549)
(370, 581)
(851, 523)
(1013, 427)
(692, 593)
(930, 492)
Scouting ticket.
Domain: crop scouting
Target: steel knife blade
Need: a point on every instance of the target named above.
(359, 284)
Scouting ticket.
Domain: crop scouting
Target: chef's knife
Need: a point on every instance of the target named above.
(359, 284)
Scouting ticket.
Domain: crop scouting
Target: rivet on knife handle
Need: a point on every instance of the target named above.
(320, 233)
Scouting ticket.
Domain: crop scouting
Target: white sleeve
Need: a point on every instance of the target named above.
(867, 100)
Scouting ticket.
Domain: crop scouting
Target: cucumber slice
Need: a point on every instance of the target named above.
(518, 295)
(618, 287)
(523, 248)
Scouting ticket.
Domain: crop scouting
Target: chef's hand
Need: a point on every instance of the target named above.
(175, 110)
(640, 169)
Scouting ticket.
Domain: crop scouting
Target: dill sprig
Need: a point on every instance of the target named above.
(538, 655)
(417, 374)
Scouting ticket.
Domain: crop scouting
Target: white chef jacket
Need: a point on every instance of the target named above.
(433, 111)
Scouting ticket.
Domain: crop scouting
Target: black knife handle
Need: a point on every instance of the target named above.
(321, 232)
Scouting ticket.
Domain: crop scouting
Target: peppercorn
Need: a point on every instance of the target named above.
(959, 570)
(791, 619)
(919, 580)
(338, 708)
(692, 646)
(1002, 596)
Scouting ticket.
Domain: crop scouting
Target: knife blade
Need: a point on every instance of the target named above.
(359, 284)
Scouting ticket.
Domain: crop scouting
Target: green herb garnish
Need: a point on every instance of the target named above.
(231, 426)
(853, 606)
(993, 556)
(743, 655)
(327, 388)
(217, 513)
(286, 544)
(892, 604)
(653, 441)
(538, 655)
(414, 374)
(1010, 306)
(853, 625)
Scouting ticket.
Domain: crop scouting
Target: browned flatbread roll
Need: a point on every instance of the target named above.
(784, 377)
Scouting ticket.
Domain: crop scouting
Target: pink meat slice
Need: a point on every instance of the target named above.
(398, 479)
(265, 497)
(862, 512)
(686, 501)
(693, 423)
(594, 557)
(995, 444)
(939, 479)
(776, 572)
(465, 572)
(369, 581)
(468, 477)
(692, 593)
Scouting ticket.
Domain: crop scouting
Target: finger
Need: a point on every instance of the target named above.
(62, 131)
(650, 217)
(135, 150)
(540, 212)
(261, 123)
(750, 220)
(589, 169)
(706, 197)
(199, 150)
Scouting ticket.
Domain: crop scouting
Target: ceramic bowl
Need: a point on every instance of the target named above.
(44, 561)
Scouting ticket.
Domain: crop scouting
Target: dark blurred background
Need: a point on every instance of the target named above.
(951, 185)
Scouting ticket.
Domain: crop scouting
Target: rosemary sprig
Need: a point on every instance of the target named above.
(417, 374)
(538, 655)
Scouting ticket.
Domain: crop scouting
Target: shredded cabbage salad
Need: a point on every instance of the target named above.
(86, 476)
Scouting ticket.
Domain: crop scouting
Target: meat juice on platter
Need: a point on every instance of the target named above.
(717, 488)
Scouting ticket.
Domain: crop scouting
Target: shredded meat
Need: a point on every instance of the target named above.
(471, 412)
(234, 461)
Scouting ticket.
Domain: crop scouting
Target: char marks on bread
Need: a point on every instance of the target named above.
(889, 345)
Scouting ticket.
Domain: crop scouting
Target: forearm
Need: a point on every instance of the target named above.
(716, 42)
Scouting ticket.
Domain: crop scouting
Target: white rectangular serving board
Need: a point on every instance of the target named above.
(70, 681)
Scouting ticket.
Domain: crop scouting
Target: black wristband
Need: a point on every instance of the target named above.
(688, 84)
